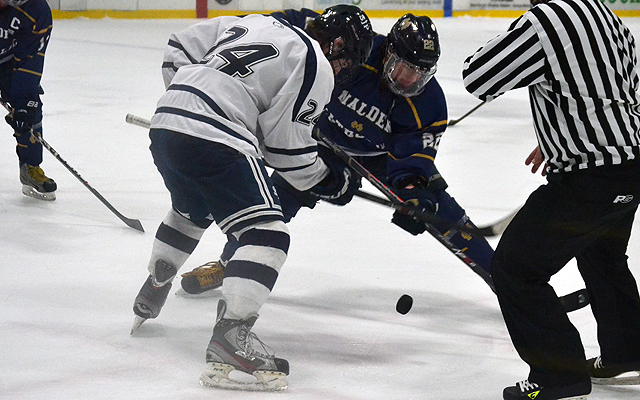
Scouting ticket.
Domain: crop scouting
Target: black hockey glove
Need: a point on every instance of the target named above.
(338, 187)
(22, 119)
(419, 196)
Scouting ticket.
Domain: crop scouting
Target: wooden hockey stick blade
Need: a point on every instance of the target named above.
(494, 229)
(452, 122)
(135, 120)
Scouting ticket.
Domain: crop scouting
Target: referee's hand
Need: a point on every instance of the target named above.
(535, 159)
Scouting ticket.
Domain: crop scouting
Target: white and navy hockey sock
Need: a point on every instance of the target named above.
(176, 238)
(253, 270)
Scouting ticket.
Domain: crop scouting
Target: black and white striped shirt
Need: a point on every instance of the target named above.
(579, 61)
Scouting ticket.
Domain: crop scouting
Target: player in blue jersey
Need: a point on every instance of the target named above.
(25, 26)
(390, 117)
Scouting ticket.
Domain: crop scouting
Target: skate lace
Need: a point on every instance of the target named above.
(526, 385)
(247, 340)
(206, 276)
(598, 363)
(37, 174)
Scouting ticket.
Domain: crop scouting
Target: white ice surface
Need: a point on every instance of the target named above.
(70, 269)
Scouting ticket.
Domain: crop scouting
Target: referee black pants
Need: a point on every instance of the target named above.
(585, 215)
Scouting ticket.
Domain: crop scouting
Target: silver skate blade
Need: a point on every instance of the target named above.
(136, 323)
(33, 193)
(627, 378)
(217, 375)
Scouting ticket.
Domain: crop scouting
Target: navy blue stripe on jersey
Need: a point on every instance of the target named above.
(203, 96)
(254, 271)
(291, 168)
(310, 72)
(216, 124)
(178, 46)
(176, 239)
(170, 65)
(293, 152)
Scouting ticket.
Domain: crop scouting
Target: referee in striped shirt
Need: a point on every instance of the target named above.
(579, 63)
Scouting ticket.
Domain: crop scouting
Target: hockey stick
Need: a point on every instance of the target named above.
(452, 122)
(135, 120)
(494, 229)
(396, 202)
(402, 207)
(394, 199)
(570, 302)
(133, 223)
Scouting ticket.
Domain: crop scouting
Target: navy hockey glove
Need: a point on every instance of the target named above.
(291, 199)
(22, 119)
(338, 187)
(419, 196)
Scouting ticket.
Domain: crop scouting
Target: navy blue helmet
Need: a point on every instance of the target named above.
(413, 51)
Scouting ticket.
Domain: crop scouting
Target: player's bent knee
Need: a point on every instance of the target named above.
(273, 235)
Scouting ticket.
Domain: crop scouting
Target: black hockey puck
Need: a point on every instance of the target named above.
(404, 304)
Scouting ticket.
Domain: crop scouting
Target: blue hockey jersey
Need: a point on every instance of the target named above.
(24, 35)
(367, 119)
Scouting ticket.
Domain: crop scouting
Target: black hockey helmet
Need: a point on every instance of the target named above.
(15, 3)
(351, 24)
(414, 42)
(536, 2)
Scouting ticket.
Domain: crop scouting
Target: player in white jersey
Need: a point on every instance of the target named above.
(249, 102)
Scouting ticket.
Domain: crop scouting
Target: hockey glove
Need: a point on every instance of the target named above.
(22, 119)
(291, 199)
(338, 187)
(419, 196)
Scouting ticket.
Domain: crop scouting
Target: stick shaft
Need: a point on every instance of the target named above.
(135, 120)
(455, 121)
(133, 223)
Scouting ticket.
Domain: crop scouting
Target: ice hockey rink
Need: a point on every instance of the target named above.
(70, 268)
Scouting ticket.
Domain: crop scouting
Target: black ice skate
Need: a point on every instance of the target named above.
(525, 390)
(230, 349)
(203, 278)
(153, 293)
(617, 374)
(36, 184)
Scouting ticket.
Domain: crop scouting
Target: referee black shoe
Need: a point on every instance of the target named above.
(613, 374)
(525, 390)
